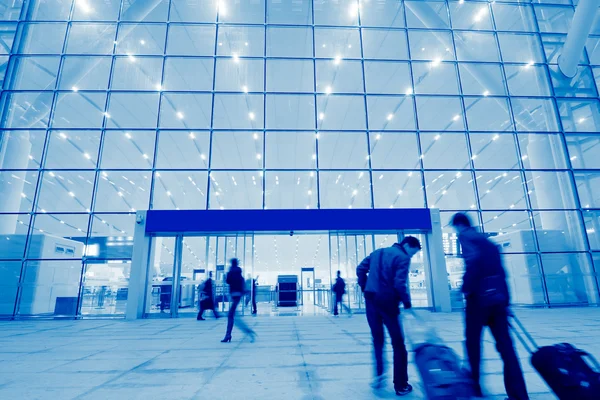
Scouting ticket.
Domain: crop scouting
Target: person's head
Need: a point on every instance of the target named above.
(210, 274)
(234, 263)
(461, 222)
(339, 274)
(411, 245)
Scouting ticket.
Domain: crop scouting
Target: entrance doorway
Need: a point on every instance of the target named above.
(173, 265)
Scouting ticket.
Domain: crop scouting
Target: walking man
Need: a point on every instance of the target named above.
(487, 297)
(339, 288)
(383, 278)
(206, 298)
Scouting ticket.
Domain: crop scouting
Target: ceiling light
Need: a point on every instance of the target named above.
(179, 115)
(142, 42)
(390, 116)
(236, 58)
(107, 115)
(328, 90)
(192, 136)
(131, 58)
(251, 116)
(75, 89)
(245, 89)
(378, 137)
(581, 120)
(337, 60)
(436, 62)
(456, 118)
(145, 156)
(62, 135)
(158, 87)
(486, 93)
(321, 116)
(71, 194)
(409, 91)
(86, 155)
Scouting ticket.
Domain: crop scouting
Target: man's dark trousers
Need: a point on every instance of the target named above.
(496, 317)
(380, 313)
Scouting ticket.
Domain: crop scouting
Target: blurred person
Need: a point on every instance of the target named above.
(487, 304)
(339, 288)
(206, 298)
(383, 278)
(251, 292)
(235, 280)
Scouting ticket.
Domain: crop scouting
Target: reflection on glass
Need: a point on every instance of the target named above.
(128, 150)
(584, 151)
(127, 191)
(494, 150)
(343, 150)
(550, 190)
(444, 150)
(450, 190)
(540, 151)
(588, 189)
(291, 190)
(501, 190)
(348, 189)
(72, 149)
(510, 230)
(559, 231)
(183, 149)
(394, 150)
(180, 190)
(236, 190)
(398, 189)
(105, 288)
(290, 76)
(570, 278)
(290, 150)
(237, 150)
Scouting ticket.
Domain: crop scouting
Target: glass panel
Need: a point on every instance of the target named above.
(290, 150)
(387, 77)
(96, 77)
(394, 150)
(49, 10)
(237, 150)
(390, 113)
(553, 45)
(431, 45)
(34, 73)
(104, 10)
(296, 13)
(289, 42)
(511, 230)
(244, 41)
(588, 186)
(341, 112)
(42, 38)
(501, 190)
(427, 14)
(570, 278)
(123, 191)
(134, 39)
(133, 110)
(486, 114)
(554, 19)
(290, 112)
(494, 151)
(584, 151)
(50, 288)
(434, 78)
(111, 236)
(470, 15)
(476, 46)
(291, 190)
(232, 111)
(384, 44)
(236, 190)
(180, 190)
(66, 191)
(10, 272)
(440, 113)
(449, 190)
(239, 76)
(350, 189)
(527, 80)
(123, 150)
(91, 38)
(191, 40)
(343, 75)
(194, 11)
(337, 43)
(105, 287)
(250, 12)
(550, 190)
(593, 50)
(444, 150)
(160, 283)
(582, 85)
(79, 110)
(592, 228)
(290, 76)
(26, 110)
(579, 116)
(535, 115)
(521, 48)
(181, 150)
(155, 11)
(28, 145)
(72, 149)
(332, 12)
(186, 110)
(398, 189)
(141, 73)
(383, 13)
(542, 151)
(17, 189)
(515, 18)
(13, 233)
(524, 279)
(343, 150)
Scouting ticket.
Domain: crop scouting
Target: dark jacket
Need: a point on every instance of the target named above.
(482, 260)
(385, 273)
(339, 287)
(235, 280)
(207, 289)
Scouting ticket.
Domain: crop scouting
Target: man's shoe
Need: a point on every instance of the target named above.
(378, 382)
(403, 391)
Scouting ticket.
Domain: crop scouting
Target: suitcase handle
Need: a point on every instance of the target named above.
(532, 346)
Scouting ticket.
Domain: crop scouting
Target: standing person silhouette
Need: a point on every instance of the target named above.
(339, 288)
(206, 298)
(236, 283)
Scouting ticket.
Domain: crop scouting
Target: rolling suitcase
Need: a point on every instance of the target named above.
(440, 368)
(563, 367)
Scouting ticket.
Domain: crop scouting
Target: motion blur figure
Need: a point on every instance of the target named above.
(383, 277)
(235, 280)
(339, 288)
(206, 298)
(488, 299)
(251, 292)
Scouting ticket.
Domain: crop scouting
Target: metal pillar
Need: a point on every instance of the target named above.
(138, 277)
(578, 34)
(437, 261)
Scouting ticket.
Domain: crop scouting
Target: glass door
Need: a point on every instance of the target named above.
(161, 292)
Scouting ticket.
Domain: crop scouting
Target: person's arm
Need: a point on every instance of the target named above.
(402, 267)
(362, 270)
(470, 254)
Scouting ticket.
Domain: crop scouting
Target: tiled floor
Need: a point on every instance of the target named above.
(307, 357)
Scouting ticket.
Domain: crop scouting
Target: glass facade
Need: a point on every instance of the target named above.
(114, 106)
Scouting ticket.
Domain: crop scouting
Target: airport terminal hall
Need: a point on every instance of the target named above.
(300, 199)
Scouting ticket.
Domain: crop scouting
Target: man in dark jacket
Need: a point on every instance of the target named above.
(206, 301)
(339, 288)
(487, 296)
(383, 277)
